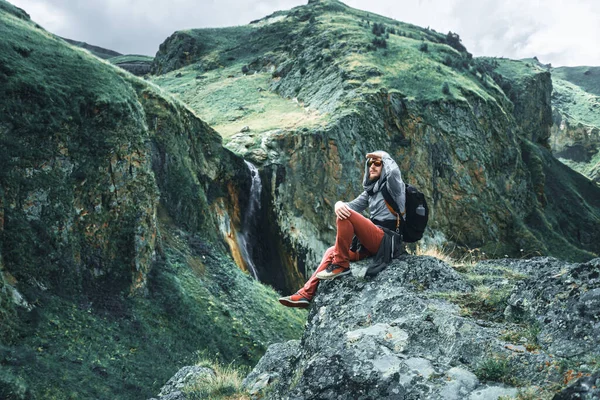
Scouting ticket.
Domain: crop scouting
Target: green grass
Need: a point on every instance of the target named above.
(516, 70)
(209, 48)
(418, 75)
(576, 104)
(525, 334)
(497, 368)
(404, 67)
(128, 58)
(15, 11)
(500, 273)
(584, 77)
(124, 348)
(229, 104)
(211, 81)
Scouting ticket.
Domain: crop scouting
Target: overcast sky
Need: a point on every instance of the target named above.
(561, 32)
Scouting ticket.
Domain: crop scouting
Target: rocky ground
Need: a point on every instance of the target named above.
(422, 329)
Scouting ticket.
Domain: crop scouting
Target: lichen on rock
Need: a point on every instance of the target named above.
(400, 335)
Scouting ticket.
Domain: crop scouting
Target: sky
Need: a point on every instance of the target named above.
(560, 32)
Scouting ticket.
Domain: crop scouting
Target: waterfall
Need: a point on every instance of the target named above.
(250, 220)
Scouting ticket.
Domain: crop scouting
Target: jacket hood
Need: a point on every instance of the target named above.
(388, 166)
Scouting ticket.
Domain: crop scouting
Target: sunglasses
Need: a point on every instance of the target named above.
(377, 163)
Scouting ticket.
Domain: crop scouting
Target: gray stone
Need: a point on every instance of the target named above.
(186, 376)
(394, 336)
(279, 359)
(586, 388)
(492, 393)
(460, 383)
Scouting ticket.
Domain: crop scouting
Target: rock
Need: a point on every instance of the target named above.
(460, 382)
(565, 302)
(362, 339)
(245, 129)
(279, 358)
(586, 388)
(492, 393)
(396, 337)
(139, 68)
(173, 389)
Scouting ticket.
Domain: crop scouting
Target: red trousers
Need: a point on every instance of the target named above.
(370, 236)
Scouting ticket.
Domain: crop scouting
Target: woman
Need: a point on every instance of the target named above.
(381, 171)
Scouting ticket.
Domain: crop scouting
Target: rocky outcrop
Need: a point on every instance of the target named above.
(578, 143)
(80, 190)
(587, 388)
(417, 331)
(565, 301)
(139, 68)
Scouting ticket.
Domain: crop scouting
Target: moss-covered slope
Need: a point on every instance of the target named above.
(305, 93)
(114, 198)
(576, 112)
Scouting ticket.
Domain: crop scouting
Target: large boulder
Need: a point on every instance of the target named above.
(406, 335)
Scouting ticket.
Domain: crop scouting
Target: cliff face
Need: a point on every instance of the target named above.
(472, 136)
(576, 128)
(420, 329)
(83, 168)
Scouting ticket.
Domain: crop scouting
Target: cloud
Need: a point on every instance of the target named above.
(42, 11)
(556, 31)
(137, 26)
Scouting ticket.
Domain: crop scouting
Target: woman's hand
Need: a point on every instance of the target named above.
(342, 211)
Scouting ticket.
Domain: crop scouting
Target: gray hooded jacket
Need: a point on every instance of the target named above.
(390, 175)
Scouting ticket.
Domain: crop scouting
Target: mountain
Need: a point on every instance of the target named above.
(136, 64)
(116, 202)
(306, 93)
(126, 244)
(95, 50)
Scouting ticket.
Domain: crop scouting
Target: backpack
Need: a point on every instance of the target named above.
(417, 212)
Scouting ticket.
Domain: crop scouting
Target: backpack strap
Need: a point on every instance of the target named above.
(390, 203)
(394, 213)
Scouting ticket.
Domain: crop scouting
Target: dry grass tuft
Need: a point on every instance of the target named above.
(437, 252)
(225, 385)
